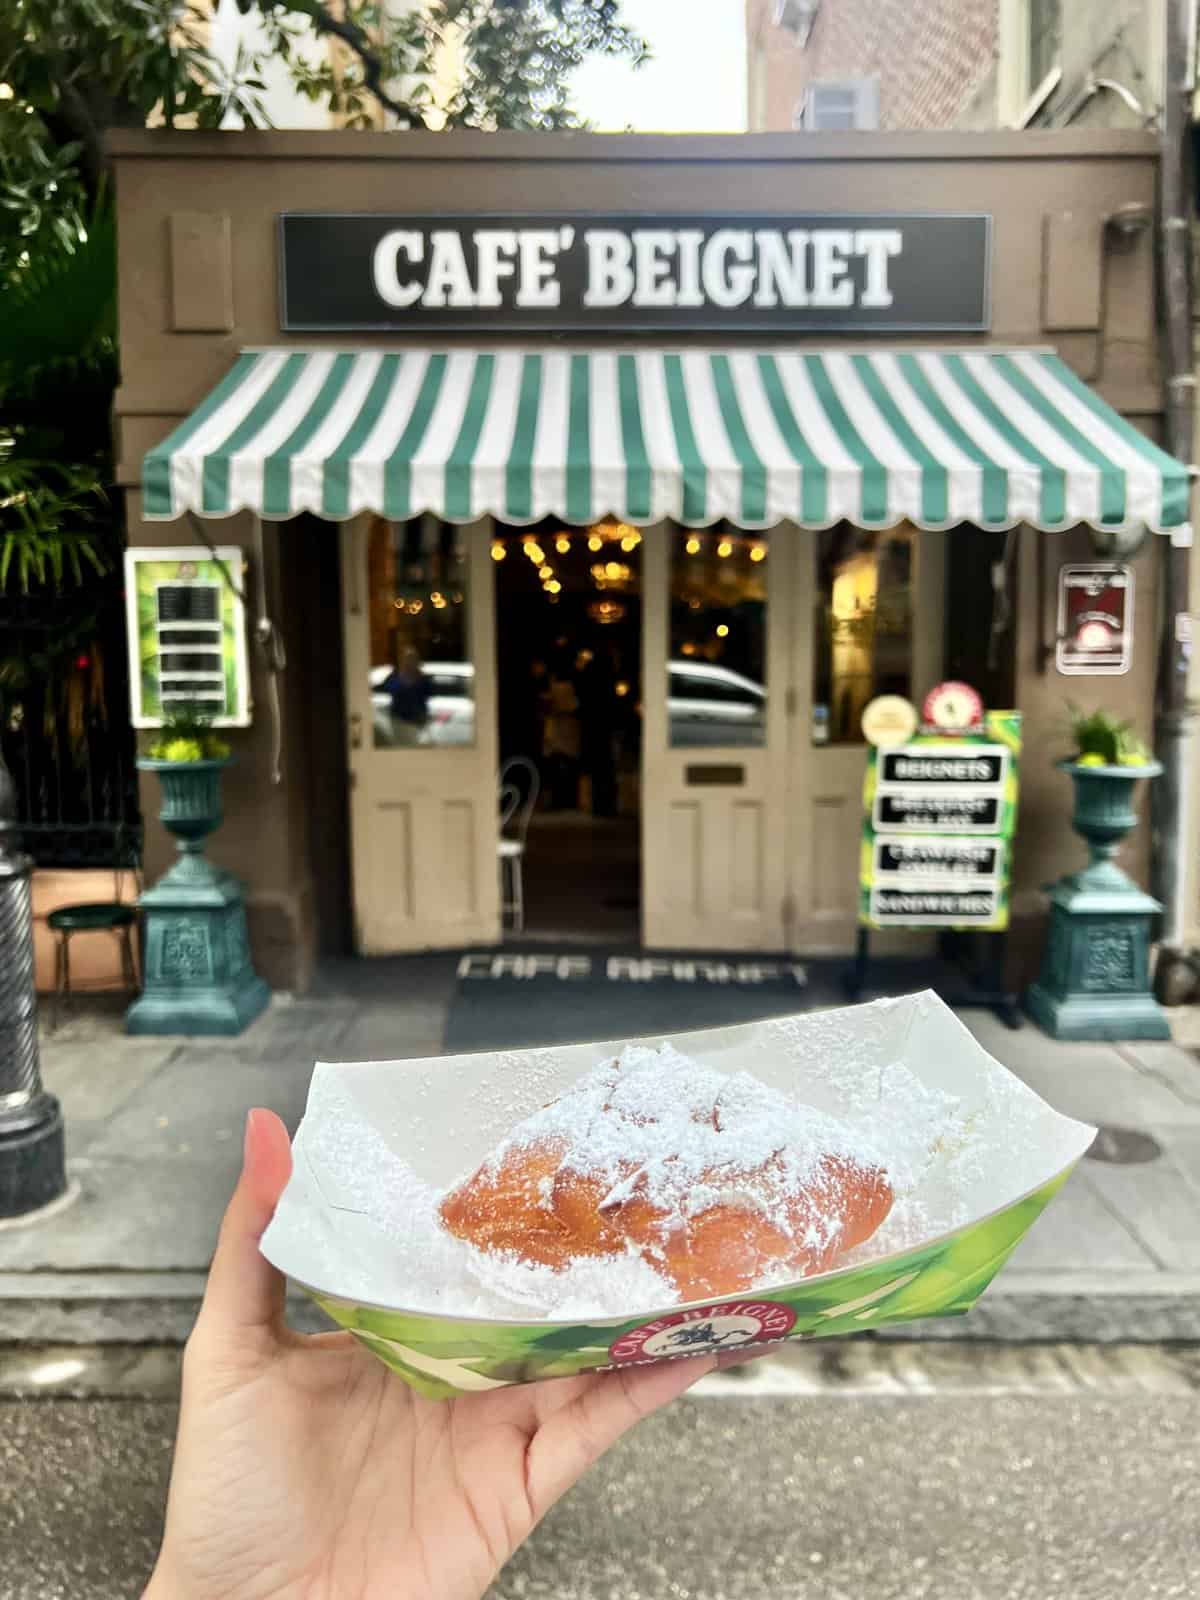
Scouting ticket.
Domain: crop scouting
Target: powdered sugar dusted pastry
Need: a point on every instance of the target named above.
(714, 1180)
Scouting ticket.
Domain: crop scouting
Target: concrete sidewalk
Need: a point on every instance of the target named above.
(154, 1132)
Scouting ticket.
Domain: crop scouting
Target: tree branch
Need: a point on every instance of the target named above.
(73, 117)
(357, 40)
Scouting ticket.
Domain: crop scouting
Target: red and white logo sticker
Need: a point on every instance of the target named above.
(952, 707)
(704, 1329)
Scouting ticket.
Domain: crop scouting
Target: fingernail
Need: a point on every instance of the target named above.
(250, 1115)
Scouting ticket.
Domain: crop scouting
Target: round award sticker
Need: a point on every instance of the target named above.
(703, 1329)
(952, 707)
(889, 720)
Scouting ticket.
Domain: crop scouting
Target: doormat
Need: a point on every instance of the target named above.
(507, 999)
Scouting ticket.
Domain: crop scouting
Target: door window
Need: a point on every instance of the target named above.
(422, 678)
(717, 663)
(863, 632)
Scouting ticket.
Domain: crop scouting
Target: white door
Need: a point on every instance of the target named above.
(871, 620)
(418, 633)
(718, 614)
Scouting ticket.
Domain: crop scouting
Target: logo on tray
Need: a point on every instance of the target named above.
(704, 1329)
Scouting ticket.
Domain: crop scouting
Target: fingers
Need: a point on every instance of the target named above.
(577, 1435)
(245, 1292)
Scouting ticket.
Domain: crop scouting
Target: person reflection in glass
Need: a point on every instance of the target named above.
(408, 690)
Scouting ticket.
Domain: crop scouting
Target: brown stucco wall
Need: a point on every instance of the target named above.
(288, 842)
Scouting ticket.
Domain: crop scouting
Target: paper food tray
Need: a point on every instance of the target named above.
(339, 1230)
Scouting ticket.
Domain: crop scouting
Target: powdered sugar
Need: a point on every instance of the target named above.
(682, 1136)
(685, 1137)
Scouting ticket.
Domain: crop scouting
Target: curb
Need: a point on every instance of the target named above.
(1025, 1308)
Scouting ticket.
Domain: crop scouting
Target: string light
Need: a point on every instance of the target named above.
(554, 587)
(595, 542)
(614, 569)
(724, 548)
(498, 551)
(688, 648)
(535, 552)
(562, 544)
(631, 541)
(621, 689)
(545, 572)
(758, 552)
(722, 630)
(415, 607)
(692, 546)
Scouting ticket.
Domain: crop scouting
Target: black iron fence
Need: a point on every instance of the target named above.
(64, 725)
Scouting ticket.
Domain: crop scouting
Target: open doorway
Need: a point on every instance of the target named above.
(569, 654)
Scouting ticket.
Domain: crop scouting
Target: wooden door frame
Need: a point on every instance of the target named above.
(812, 930)
(484, 928)
(773, 759)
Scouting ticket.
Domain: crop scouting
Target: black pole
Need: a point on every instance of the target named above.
(32, 1157)
(1174, 734)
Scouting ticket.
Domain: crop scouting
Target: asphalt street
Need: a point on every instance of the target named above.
(901, 1474)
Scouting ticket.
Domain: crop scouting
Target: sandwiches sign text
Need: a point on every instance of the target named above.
(557, 273)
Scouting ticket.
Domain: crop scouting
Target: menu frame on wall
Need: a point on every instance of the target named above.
(209, 661)
(1072, 657)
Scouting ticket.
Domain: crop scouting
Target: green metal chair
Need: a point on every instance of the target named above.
(115, 916)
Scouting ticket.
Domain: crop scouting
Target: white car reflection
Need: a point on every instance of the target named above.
(451, 706)
(706, 705)
(710, 705)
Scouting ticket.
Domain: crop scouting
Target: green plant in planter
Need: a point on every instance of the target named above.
(1103, 741)
(187, 736)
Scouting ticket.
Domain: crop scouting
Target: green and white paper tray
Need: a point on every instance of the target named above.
(440, 1117)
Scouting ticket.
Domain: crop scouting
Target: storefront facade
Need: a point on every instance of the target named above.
(837, 435)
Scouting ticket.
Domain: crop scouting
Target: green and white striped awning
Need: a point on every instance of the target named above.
(989, 437)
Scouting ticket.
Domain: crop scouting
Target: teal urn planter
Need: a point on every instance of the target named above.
(198, 978)
(1094, 981)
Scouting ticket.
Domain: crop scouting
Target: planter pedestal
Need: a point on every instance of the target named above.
(198, 978)
(1095, 979)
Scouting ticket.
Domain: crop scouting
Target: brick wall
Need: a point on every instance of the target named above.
(933, 58)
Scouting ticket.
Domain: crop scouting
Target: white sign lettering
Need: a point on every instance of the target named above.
(776, 271)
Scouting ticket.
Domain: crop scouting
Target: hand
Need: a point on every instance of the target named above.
(305, 1470)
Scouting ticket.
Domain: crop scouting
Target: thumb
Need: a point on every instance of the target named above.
(245, 1292)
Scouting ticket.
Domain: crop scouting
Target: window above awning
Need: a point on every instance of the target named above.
(815, 437)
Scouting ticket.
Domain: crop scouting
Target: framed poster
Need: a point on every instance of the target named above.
(938, 819)
(1095, 619)
(186, 628)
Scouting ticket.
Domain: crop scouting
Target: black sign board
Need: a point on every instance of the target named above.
(804, 272)
(913, 858)
(939, 766)
(951, 906)
(938, 812)
(189, 602)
